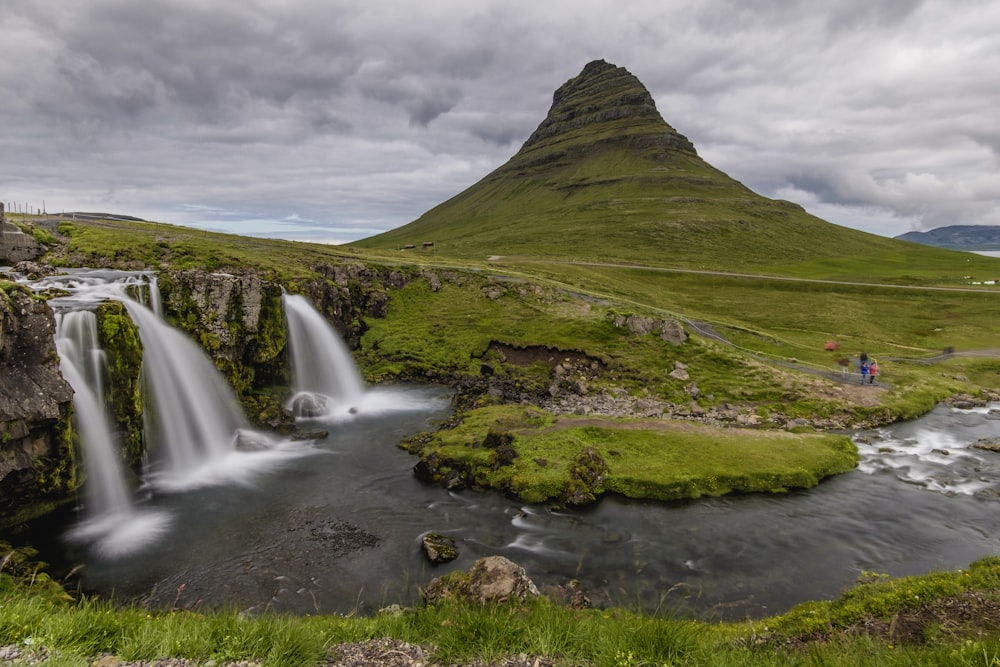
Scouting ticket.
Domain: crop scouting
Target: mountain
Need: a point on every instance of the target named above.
(958, 237)
(604, 177)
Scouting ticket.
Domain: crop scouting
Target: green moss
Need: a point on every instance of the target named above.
(119, 338)
(57, 476)
(44, 236)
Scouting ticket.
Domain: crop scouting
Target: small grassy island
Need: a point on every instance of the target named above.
(615, 316)
(536, 457)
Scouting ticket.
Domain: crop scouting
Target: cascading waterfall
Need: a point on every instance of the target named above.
(325, 379)
(195, 431)
(112, 525)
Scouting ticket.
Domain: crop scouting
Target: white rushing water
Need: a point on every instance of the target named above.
(112, 525)
(935, 454)
(325, 379)
(194, 430)
(326, 383)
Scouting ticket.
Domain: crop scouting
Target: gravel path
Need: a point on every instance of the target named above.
(383, 652)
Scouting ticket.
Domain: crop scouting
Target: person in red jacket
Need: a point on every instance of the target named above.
(872, 371)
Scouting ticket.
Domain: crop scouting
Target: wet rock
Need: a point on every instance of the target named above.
(309, 405)
(309, 435)
(34, 270)
(987, 444)
(439, 548)
(491, 579)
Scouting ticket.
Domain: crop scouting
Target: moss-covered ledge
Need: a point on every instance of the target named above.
(536, 457)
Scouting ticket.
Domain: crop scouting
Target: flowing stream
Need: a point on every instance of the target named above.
(335, 525)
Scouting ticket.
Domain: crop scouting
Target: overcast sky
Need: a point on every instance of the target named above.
(331, 121)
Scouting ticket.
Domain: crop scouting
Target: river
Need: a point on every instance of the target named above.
(339, 530)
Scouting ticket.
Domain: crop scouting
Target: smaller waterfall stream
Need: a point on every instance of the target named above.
(325, 380)
(81, 361)
(326, 383)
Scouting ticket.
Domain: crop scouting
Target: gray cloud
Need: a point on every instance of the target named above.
(878, 114)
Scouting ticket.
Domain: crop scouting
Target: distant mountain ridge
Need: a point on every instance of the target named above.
(605, 178)
(958, 237)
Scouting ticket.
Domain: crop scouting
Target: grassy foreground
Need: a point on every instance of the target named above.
(943, 618)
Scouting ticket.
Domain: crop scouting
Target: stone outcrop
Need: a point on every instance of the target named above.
(491, 579)
(603, 97)
(670, 331)
(37, 460)
(238, 319)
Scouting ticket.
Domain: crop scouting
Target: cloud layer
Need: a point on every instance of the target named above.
(329, 120)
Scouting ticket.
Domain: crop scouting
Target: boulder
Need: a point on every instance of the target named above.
(439, 548)
(987, 444)
(492, 579)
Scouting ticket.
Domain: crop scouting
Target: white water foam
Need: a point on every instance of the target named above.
(937, 460)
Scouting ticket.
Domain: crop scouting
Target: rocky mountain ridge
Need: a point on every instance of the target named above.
(958, 237)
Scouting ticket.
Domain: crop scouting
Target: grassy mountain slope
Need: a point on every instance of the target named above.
(605, 178)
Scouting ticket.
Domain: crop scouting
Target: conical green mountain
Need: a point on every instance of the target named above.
(605, 178)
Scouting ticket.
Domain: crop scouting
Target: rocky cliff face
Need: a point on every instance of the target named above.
(37, 459)
(238, 319)
(604, 103)
(603, 108)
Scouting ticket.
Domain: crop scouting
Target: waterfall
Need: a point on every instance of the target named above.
(82, 363)
(193, 422)
(150, 297)
(112, 524)
(195, 432)
(325, 379)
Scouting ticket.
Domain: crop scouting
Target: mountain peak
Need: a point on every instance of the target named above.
(605, 100)
(605, 178)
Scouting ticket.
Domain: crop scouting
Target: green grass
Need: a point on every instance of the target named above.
(880, 621)
(138, 245)
(526, 452)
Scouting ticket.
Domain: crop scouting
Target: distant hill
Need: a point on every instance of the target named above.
(85, 215)
(605, 178)
(958, 237)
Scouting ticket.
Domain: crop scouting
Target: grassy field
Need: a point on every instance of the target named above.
(942, 619)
